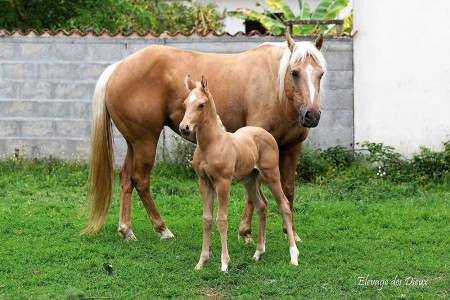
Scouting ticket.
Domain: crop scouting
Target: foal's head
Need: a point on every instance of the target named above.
(302, 77)
(196, 104)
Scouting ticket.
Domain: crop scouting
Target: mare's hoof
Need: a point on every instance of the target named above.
(166, 234)
(297, 239)
(246, 237)
(126, 233)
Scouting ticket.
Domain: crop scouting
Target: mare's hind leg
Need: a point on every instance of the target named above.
(251, 183)
(144, 158)
(272, 178)
(126, 188)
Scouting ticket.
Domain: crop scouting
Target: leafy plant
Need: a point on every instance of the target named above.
(112, 15)
(325, 10)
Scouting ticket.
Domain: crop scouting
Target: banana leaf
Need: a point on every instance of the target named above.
(236, 14)
(282, 6)
(269, 23)
(327, 9)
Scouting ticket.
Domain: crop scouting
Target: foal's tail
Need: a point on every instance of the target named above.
(101, 173)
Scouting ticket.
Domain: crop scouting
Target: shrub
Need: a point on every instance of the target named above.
(375, 161)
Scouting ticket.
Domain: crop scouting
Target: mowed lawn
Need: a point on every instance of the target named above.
(361, 240)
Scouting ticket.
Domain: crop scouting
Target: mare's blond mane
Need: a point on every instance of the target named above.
(301, 51)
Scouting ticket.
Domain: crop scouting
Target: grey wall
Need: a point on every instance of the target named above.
(46, 85)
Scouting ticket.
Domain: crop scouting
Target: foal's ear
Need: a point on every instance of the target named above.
(204, 84)
(290, 41)
(319, 42)
(188, 83)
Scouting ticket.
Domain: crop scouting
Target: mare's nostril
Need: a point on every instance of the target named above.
(308, 115)
(186, 128)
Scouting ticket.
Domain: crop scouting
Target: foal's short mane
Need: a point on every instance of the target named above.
(210, 97)
(301, 51)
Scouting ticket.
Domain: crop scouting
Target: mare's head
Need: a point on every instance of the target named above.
(196, 104)
(301, 70)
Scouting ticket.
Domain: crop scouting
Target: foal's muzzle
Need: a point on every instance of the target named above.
(185, 130)
(310, 118)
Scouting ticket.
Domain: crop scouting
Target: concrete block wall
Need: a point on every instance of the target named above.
(46, 85)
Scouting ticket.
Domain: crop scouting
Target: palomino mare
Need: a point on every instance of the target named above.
(274, 86)
(220, 157)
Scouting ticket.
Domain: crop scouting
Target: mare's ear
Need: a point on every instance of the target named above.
(319, 42)
(204, 84)
(290, 41)
(188, 83)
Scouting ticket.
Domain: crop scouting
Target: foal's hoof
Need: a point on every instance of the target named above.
(293, 251)
(166, 234)
(258, 254)
(224, 268)
(294, 262)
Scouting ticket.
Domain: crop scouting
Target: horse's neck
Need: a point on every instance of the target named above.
(211, 131)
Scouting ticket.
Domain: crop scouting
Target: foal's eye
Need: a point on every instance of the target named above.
(295, 73)
(202, 105)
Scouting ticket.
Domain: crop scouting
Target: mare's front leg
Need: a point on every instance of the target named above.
(223, 195)
(252, 185)
(207, 192)
(288, 164)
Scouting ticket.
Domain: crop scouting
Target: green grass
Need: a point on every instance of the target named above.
(350, 228)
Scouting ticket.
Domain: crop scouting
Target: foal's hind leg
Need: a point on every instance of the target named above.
(272, 178)
(126, 188)
(223, 195)
(245, 227)
(144, 158)
(254, 194)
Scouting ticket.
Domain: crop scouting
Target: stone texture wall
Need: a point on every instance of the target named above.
(46, 85)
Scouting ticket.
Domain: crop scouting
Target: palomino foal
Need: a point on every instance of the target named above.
(220, 157)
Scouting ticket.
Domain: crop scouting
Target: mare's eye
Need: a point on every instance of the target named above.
(202, 105)
(295, 74)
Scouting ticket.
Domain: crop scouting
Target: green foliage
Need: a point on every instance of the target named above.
(179, 160)
(325, 10)
(375, 161)
(112, 15)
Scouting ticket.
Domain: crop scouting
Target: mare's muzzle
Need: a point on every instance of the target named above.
(185, 130)
(310, 118)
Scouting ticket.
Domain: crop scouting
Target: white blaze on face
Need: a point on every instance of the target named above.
(192, 98)
(312, 89)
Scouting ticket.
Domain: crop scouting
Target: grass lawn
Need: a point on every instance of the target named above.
(361, 240)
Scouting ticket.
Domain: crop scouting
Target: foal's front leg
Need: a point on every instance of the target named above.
(207, 192)
(223, 194)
